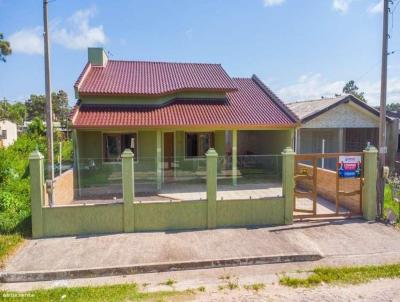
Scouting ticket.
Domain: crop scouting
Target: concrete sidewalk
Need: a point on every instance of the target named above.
(72, 257)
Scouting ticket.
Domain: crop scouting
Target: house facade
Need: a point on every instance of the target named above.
(341, 124)
(170, 114)
(8, 133)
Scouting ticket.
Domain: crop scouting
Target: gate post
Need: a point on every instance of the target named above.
(211, 157)
(37, 192)
(370, 178)
(128, 190)
(288, 183)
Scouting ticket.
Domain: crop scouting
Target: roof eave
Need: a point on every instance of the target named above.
(276, 100)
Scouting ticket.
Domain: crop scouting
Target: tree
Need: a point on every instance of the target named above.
(60, 107)
(5, 48)
(393, 107)
(36, 107)
(14, 112)
(352, 88)
(36, 127)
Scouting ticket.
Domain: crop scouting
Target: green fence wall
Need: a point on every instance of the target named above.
(134, 216)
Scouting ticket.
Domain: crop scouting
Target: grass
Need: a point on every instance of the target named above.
(389, 202)
(255, 286)
(346, 275)
(113, 293)
(169, 282)
(8, 244)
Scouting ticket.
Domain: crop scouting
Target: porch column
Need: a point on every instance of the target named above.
(37, 192)
(288, 183)
(159, 160)
(297, 140)
(234, 157)
(128, 190)
(369, 188)
(211, 157)
(341, 139)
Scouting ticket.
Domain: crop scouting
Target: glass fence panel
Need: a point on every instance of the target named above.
(257, 176)
(171, 178)
(98, 180)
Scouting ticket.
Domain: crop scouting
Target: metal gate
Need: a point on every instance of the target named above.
(322, 188)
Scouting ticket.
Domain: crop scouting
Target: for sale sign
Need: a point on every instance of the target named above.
(349, 166)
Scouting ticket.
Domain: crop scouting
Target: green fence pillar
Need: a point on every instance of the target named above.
(288, 182)
(128, 190)
(370, 178)
(234, 157)
(37, 192)
(159, 160)
(212, 158)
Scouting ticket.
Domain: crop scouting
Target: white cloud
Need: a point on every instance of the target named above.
(310, 86)
(341, 5)
(314, 86)
(77, 32)
(27, 40)
(376, 8)
(73, 33)
(273, 2)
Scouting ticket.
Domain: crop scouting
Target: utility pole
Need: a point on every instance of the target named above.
(382, 116)
(49, 109)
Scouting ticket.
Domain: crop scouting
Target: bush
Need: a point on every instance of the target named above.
(14, 183)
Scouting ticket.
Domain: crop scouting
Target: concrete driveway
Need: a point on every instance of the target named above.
(113, 254)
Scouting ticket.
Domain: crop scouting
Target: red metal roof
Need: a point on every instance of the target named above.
(250, 105)
(152, 78)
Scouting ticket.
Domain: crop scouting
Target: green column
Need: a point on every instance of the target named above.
(212, 157)
(128, 189)
(159, 160)
(37, 192)
(234, 157)
(369, 188)
(288, 182)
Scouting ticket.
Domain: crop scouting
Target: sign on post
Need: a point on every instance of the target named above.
(349, 166)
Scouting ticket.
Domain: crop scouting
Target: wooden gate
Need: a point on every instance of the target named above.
(320, 191)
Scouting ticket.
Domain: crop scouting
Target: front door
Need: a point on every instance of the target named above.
(168, 150)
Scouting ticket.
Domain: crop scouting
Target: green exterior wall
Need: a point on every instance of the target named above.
(90, 144)
(219, 142)
(157, 100)
(235, 213)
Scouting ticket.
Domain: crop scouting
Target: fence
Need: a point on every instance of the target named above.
(128, 214)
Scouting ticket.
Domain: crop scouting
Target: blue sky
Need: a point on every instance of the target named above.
(300, 48)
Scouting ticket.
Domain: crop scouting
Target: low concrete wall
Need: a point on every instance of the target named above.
(83, 219)
(170, 216)
(159, 216)
(326, 187)
(235, 213)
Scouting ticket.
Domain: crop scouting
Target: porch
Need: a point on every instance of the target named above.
(171, 166)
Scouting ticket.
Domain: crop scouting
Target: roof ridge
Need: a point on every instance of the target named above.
(320, 99)
(164, 62)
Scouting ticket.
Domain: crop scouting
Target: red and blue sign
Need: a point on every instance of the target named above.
(349, 166)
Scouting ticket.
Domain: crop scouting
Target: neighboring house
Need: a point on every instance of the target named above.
(8, 133)
(345, 123)
(169, 114)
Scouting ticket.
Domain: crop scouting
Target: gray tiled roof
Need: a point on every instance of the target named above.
(303, 109)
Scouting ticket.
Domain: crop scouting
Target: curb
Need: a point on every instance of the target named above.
(32, 276)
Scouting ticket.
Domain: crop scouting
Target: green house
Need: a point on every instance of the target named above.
(169, 115)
